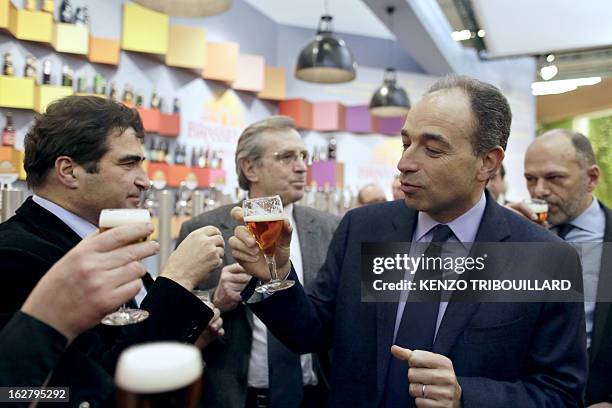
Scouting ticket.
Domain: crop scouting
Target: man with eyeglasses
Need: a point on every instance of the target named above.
(248, 367)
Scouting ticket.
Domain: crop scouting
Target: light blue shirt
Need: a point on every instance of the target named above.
(465, 227)
(79, 225)
(588, 235)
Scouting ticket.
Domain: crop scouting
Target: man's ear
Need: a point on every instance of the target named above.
(249, 169)
(593, 174)
(66, 172)
(491, 161)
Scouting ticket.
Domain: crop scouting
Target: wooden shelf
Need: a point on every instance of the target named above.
(144, 30)
(30, 25)
(45, 94)
(275, 84)
(186, 47)
(221, 61)
(70, 38)
(16, 92)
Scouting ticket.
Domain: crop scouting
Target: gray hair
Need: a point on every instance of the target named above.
(490, 108)
(584, 150)
(250, 146)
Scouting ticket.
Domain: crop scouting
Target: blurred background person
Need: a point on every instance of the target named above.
(371, 194)
(560, 168)
(497, 185)
(396, 188)
(249, 367)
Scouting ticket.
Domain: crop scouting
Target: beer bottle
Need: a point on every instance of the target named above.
(8, 134)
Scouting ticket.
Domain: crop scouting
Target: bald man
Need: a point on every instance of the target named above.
(560, 168)
(371, 194)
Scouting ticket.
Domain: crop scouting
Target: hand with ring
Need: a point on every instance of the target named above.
(431, 377)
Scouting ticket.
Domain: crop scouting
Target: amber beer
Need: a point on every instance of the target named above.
(159, 375)
(267, 230)
(111, 218)
(540, 208)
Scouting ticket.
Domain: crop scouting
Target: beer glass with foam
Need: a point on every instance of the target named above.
(112, 218)
(264, 218)
(159, 375)
(540, 208)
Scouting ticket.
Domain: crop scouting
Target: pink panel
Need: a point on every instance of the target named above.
(326, 116)
(250, 73)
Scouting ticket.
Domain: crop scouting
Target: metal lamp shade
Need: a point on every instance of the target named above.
(326, 59)
(390, 100)
(187, 8)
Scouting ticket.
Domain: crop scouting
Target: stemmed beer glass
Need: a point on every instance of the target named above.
(112, 218)
(264, 218)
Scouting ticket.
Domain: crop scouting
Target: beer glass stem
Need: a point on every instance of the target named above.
(272, 267)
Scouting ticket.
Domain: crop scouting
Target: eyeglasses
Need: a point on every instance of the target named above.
(288, 158)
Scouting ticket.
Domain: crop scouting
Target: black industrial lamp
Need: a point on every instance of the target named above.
(390, 99)
(326, 59)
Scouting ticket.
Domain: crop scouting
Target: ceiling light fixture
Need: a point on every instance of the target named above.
(549, 72)
(562, 86)
(326, 59)
(187, 8)
(462, 35)
(390, 99)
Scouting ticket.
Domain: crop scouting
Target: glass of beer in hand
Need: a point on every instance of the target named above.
(114, 218)
(264, 218)
(540, 208)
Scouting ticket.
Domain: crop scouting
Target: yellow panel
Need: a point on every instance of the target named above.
(144, 30)
(16, 92)
(70, 38)
(250, 73)
(45, 94)
(186, 47)
(31, 25)
(221, 61)
(4, 13)
(274, 84)
(22, 172)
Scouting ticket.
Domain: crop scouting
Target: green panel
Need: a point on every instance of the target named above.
(600, 135)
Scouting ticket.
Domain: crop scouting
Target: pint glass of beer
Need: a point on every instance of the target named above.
(539, 207)
(114, 218)
(264, 218)
(159, 375)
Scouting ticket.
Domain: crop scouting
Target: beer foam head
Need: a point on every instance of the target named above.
(158, 367)
(538, 207)
(116, 217)
(264, 218)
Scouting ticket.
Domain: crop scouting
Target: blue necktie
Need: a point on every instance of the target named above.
(417, 327)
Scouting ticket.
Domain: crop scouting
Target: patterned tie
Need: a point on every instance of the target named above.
(563, 230)
(417, 327)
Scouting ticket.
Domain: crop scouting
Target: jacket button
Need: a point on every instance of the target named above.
(84, 404)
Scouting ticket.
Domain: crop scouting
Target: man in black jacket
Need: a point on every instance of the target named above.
(84, 155)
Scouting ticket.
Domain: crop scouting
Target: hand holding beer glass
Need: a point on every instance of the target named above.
(539, 208)
(264, 218)
(112, 218)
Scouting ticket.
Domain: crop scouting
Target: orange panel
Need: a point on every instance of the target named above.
(298, 109)
(103, 51)
(275, 84)
(150, 119)
(170, 125)
(250, 73)
(221, 61)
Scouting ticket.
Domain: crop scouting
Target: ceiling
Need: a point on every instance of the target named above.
(306, 14)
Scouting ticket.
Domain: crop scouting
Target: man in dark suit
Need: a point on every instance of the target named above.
(447, 354)
(560, 168)
(248, 367)
(83, 155)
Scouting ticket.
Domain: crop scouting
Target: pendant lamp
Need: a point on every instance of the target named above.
(390, 99)
(187, 8)
(326, 59)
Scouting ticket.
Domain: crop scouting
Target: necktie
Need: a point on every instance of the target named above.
(417, 327)
(563, 230)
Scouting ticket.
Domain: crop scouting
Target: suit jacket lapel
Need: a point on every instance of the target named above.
(604, 285)
(49, 227)
(307, 235)
(493, 228)
(401, 230)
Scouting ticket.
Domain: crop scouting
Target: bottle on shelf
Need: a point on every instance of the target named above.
(176, 106)
(81, 87)
(66, 13)
(46, 78)
(99, 85)
(67, 75)
(8, 134)
(8, 68)
(331, 149)
(128, 95)
(81, 16)
(155, 101)
(139, 100)
(30, 5)
(113, 92)
(167, 155)
(30, 67)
